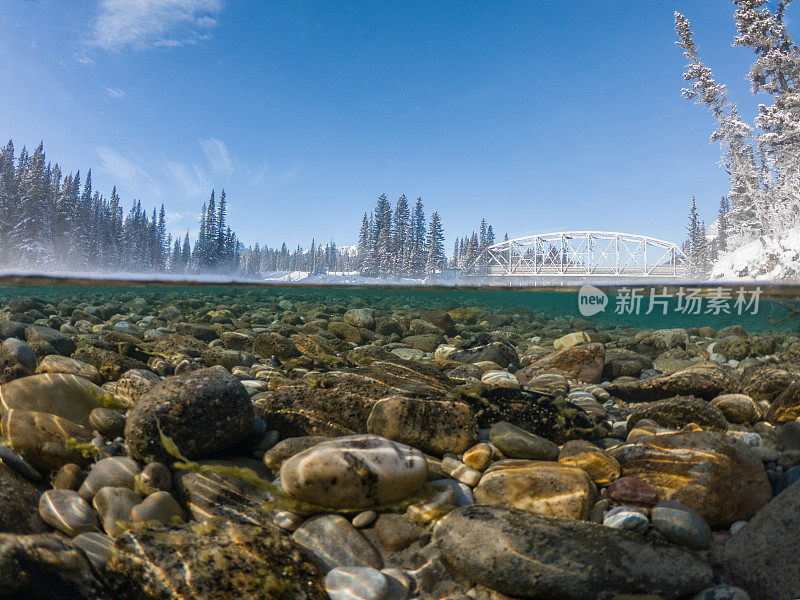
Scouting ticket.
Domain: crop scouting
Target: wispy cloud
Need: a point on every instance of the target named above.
(117, 165)
(125, 170)
(150, 23)
(82, 58)
(190, 177)
(218, 155)
(114, 92)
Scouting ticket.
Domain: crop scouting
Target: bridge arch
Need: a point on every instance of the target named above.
(581, 254)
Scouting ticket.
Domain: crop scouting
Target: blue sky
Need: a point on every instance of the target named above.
(539, 116)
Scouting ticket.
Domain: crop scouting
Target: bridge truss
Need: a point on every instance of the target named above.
(581, 254)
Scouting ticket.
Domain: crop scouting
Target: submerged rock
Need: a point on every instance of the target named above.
(704, 380)
(212, 560)
(202, 411)
(356, 471)
(584, 362)
(721, 481)
(528, 556)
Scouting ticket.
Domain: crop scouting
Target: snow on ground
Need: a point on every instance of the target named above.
(765, 259)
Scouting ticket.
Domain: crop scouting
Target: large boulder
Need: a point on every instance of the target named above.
(762, 556)
(584, 362)
(723, 482)
(355, 471)
(546, 488)
(433, 426)
(704, 380)
(216, 559)
(679, 411)
(203, 411)
(67, 396)
(62, 343)
(45, 440)
(529, 556)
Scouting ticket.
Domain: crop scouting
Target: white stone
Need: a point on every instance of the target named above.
(571, 339)
(458, 470)
(502, 379)
(356, 583)
(355, 471)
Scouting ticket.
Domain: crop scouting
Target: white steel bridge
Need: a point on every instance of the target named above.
(581, 254)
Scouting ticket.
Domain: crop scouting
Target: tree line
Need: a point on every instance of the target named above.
(50, 221)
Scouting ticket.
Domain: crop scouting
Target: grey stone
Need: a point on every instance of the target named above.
(520, 554)
(67, 511)
(518, 443)
(356, 583)
(115, 471)
(681, 525)
(334, 542)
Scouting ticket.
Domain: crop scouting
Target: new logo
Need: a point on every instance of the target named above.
(591, 300)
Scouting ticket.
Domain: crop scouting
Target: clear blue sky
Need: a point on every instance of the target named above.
(539, 116)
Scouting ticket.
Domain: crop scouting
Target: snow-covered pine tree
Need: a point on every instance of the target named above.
(363, 244)
(418, 259)
(32, 233)
(696, 248)
(763, 160)
(401, 236)
(384, 247)
(722, 225)
(436, 259)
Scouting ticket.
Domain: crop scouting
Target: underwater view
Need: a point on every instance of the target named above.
(258, 441)
(358, 300)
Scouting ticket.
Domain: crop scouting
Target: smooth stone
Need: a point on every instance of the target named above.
(356, 583)
(67, 396)
(334, 542)
(115, 471)
(159, 506)
(571, 339)
(285, 449)
(737, 408)
(155, 476)
(359, 317)
(62, 343)
(601, 466)
(629, 490)
(42, 439)
(96, 546)
(518, 443)
(681, 525)
(114, 504)
(459, 471)
(478, 457)
(203, 412)
(356, 471)
(502, 379)
(67, 511)
(583, 362)
(399, 583)
(287, 520)
(540, 487)
(723, 482)
(736, 527)
(55, 363)
(21, 353)
(524, 555)
(364, 519)
(433, 426)
(110, 423)
(626, 518)
(68, 477)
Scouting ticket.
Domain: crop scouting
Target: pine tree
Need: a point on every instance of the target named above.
(401, 236)
(363, 244)
(418, 255)
(697, 253)
(383, 236)
(436, 258)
